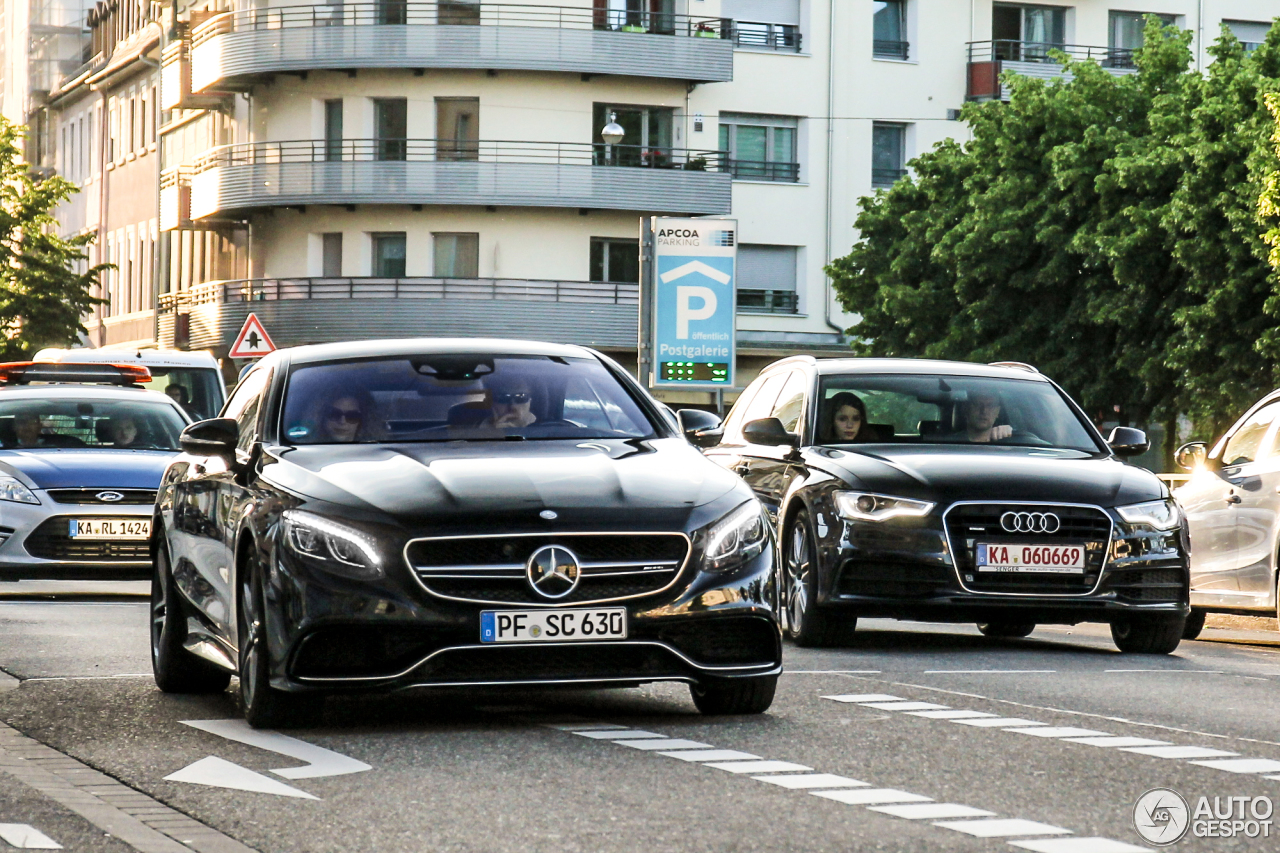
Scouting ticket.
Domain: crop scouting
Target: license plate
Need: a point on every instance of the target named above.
(1050, 559)
(110, 528)
(553, 626)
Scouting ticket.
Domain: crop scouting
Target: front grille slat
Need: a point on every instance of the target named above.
(129, 497)
(49, 541)
(491, 569)
(968, 524)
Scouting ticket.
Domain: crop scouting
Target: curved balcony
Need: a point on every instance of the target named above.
(320, 310)
(233, 49)
(429, 171)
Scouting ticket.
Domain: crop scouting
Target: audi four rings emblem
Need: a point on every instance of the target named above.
(1030, 522)
(553, 571)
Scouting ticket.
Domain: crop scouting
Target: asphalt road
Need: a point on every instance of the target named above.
(89, 741)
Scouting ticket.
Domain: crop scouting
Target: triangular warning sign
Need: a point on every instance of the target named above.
(253, 340)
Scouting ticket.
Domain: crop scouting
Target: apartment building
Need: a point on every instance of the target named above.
(394, 167)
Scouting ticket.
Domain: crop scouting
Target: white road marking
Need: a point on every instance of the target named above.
(218, 773)
(871, 796)
(1077, 845)
(1116, 740)
(1057, 731)
(812, 780)
(997, 722)
(757, 766)
(905, 706)
(1271, 777)
(931, 811)
(1185, 671)
(663, 743)
(1002, 827)
(711, 755)
(1179, 751)
(585, 727)
(865, 697)
(832, 672)
(320, 761)
(950, 715)
(988, 671)
(624, 734)
(1242, 765)
(26, 837)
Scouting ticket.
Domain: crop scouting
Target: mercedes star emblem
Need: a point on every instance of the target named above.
(553, 571)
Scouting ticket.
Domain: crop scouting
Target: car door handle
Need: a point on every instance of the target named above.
(1232, 499)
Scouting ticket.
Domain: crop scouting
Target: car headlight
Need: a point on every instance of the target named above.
(11, 489)
(1162, 515)
(336, 547)
(864, 506)
(736, 538)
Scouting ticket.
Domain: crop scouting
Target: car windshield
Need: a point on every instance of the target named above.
(195, 389)
(106, 424)
(475, 397)
(950, 410)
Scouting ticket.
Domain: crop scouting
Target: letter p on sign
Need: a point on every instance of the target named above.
(685, 294)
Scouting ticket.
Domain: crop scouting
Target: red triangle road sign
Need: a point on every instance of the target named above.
(253, 340)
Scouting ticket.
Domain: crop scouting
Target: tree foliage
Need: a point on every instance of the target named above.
(42, 295)
(1103, 227)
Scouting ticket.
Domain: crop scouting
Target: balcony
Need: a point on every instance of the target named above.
(989, 59)
(232, 50)
(320, 310)
(428, 171)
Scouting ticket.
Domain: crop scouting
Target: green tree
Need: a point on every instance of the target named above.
(42, 296)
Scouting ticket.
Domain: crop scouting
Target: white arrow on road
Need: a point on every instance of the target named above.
(218, 773)
(320, 761)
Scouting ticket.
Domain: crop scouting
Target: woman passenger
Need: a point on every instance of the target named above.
(848, 422)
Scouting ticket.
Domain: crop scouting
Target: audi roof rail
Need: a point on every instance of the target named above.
(1016, 365)
(26, 372)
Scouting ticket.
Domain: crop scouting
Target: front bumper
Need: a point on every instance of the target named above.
(35, 546)
(327, 633)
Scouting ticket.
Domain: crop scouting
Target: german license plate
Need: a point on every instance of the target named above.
(1050, 559)
(553, 626)
(110, 528)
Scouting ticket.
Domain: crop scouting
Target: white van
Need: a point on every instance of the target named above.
(192, 379)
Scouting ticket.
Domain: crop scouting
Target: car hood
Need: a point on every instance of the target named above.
(644, 484)
(945, 474)
(57, 468)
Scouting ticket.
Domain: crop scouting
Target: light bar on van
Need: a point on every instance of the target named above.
(24, 372)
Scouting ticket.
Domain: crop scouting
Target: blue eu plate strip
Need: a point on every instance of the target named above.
(486, 626)
(982, 555)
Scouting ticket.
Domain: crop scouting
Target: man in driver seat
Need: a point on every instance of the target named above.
(512, 403)
(981, 413)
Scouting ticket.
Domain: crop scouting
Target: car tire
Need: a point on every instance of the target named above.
(1194, 625)
(807, 624)
(1147, 635)
(735, 696)
(176, 670)
(1006, 629)
(264, 706)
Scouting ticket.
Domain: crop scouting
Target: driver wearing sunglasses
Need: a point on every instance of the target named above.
(512, 402)
(342, 419)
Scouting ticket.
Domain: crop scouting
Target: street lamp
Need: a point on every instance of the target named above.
(612, 133)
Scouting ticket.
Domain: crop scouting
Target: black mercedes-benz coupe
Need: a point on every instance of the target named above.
(391, 515)
(954, 492)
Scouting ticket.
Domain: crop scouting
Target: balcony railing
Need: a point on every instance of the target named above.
(452, 150)
(886, 49)
(769, 36)
(1044, 52)
(759, 170)
(518, 290)
(768, 301)
(412, 12)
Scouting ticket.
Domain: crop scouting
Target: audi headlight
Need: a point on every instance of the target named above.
(736, 538)
(11, 489)
(864, 506)
(1162, 515)
(338, 548)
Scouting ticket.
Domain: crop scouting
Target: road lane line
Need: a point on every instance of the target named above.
(989, 671)
(931, 811)
(1078, 845)
(1000, 827)
(711, 755)
(1186, 671)
(1178, 751)
(625, 734)
(658, 743)
(1116, 741)
(950, 715)
(865, 697)
(216, 772)
(1242, 765)
(761, 766)
(812, 780)
(905, 706)
(320, 761)
(997, 722)
(871, 796)
(831, 672)
(26, 837)
(1057, 732)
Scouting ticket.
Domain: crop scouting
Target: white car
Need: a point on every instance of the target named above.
(193, 380)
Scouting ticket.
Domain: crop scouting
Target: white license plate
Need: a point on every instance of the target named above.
(110, 528)
(1050, 559)
(553, 626)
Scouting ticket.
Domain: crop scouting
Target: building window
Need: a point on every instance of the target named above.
(761, 148)
(888, 153)
(771, 25)
(635, 16)
(1126, 30)
(1250, 33)
(1027, 33)
(889, 29)
(767, 35)
(389, 255)
(458, 128)
(392, 12)
(459, 12)
(456, 255)
(333, 129)
(646, 140)
(767, 278)
(613, 259)
(391, 126)
(331, 254)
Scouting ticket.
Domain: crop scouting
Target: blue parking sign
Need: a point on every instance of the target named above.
(694, 303)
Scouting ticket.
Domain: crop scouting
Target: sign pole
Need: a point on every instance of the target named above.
(644, 349)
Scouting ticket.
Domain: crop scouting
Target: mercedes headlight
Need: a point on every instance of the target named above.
(338, 548)
(736, 538)
(11, 489)
(864, 506)
(1162, 515)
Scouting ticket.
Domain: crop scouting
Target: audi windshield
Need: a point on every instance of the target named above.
(949, 410)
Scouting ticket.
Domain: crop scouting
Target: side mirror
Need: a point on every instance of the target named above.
(1127, 441)
(212, 437)
(702, 429)
(1191, 455)
(769, 432)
